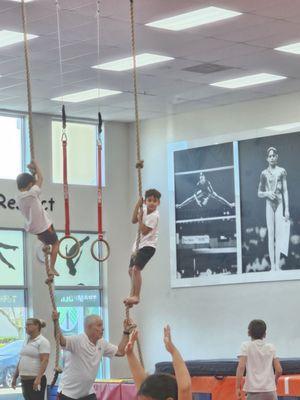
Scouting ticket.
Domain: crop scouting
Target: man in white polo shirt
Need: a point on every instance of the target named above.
(84, 353)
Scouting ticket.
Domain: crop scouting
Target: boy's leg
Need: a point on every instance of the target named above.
(141, 259)
(49, 238)
(53, 257)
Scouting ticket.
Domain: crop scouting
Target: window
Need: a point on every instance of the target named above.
(10, 147)
(11, 258)
(81, 152)
(12, 305)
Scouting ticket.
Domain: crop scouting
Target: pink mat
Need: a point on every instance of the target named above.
(115, 391)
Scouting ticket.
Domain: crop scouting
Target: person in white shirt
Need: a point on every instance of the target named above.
(262, 366)
(34, 358)
(147, 216)
(37, 220)
(83, 356)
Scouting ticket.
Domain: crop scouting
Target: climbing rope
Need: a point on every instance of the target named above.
(49, 282)
(46, 249)
(28, 80)
(139, 162)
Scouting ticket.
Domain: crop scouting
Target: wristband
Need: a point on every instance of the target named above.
(126, 333)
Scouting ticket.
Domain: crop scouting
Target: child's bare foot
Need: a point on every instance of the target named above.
(132, 300)
(50, 279)
(54, 272)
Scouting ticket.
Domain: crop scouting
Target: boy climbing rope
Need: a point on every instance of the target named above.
(37, 220)
(147, 216)
(160, 386)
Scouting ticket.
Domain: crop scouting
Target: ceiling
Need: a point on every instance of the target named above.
(243, 44)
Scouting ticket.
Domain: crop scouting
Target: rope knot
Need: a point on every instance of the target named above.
(47, 249)
(139, 164)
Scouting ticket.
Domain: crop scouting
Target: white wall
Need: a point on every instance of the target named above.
(83, 217)
(210, 322)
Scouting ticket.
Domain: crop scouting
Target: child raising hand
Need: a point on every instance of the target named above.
(160, 386)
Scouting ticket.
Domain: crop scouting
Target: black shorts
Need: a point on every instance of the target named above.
(142, 256)
(61, 396)
(49, 236)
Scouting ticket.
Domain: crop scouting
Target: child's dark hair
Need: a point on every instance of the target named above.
(23, 180)
(257, 329)
(159, 387)
(153, 192)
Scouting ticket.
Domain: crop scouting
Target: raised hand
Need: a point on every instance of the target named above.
(168, 340)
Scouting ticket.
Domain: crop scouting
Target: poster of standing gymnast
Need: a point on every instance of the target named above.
(234, 211)
(270, 193)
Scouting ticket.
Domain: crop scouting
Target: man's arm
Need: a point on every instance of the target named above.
(182, 375)
(136, 210)
(239, 375)
(127, 326)
(62, 339)
(277, 369)
(137, 370)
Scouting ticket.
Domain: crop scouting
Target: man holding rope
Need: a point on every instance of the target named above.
(84, 353)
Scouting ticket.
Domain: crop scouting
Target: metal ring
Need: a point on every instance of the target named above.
(97, 241)
(65, 256)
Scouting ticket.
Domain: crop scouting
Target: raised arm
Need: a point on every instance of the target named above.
(33, 166)
(127, 327)
(181, 372)
(239, 375)
(137, 371)
(136, 210)
(62, 339)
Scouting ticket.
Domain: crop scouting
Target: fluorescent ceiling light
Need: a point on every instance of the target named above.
(8, 38)
(191, 19)
(125, 64)
(293, 48)
(284, 127)
(248, 80)
(20, 1)
(86, 95)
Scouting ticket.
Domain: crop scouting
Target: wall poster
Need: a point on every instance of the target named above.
(234, 211)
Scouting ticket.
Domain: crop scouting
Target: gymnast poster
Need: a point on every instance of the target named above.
(205, 211)
(270, 193)
(234, 211)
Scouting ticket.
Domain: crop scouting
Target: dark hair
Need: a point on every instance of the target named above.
(159, 387)
(23, 180)
(272, 149)
(257, 329)
(39, 322)
(153, 192)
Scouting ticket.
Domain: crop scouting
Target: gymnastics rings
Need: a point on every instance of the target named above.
(106, 253)
(76, 250)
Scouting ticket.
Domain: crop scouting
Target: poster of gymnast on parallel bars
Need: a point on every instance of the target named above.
(270, 204)
(206, 242)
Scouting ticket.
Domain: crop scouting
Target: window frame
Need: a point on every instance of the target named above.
(73, 120)
(24, 151)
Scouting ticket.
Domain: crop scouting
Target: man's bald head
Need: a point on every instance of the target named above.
(93, 327)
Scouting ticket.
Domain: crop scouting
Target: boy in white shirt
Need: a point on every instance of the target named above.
(37, 220)
(261, 363)
(148, 226)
